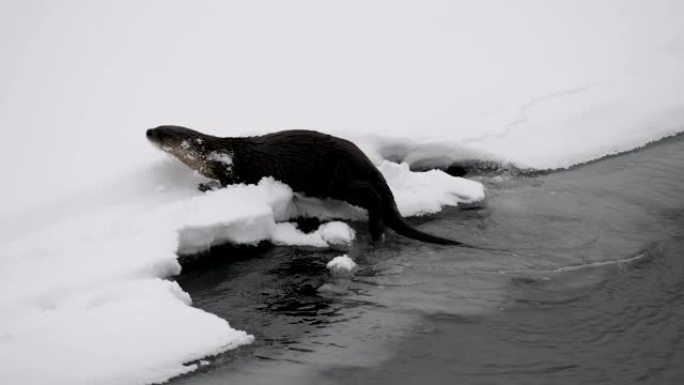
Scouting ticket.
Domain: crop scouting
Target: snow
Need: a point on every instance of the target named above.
(418, 193)
(92, 220)
(328, 234)
(221, 157)
(342, 266)
(143, 329)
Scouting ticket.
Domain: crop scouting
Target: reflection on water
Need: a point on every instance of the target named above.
(588, 287)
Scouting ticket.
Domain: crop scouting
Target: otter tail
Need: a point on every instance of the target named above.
(396, 222)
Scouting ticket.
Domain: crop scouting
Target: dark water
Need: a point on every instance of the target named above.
(589, 288)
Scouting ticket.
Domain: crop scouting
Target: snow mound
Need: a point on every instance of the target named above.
(328, 234)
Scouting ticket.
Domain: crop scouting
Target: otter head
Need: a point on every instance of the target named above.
(202, 153)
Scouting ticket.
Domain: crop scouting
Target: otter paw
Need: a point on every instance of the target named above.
(204, 187)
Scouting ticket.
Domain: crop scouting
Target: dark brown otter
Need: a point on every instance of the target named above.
(310, 162)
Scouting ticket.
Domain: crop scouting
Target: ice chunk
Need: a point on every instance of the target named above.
(427, 192)
(342, 267)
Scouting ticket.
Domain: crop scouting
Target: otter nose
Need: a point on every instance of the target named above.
(152, 134)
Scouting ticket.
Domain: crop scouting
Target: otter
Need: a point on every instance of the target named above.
(310, 162)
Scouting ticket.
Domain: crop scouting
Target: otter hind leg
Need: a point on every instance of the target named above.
(366, 196)
(358, 192)
(375, 224)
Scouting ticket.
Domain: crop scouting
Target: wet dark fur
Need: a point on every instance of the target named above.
(310, 162)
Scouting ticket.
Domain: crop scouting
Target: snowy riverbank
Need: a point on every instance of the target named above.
(93, 217)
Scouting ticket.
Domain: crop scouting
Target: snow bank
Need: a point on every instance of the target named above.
(548, 131)
(138, 331)
(81, 299)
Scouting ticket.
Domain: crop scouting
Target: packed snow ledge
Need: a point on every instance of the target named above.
(83, 299)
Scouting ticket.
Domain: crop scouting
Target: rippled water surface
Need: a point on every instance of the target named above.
(586, 286)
